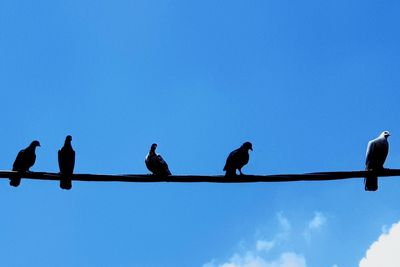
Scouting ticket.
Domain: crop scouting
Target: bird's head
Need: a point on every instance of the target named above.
(68, 138)
(35, 143)
(385, 134)
(248, 146)
(153, 147)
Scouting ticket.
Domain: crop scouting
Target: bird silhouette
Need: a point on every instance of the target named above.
(66, 163)
(237, 159)
(24, 160)
(155, 163)
(377, 152)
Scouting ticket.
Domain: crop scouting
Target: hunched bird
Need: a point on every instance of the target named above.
(237, 159)
(25, 159)
(155, 163)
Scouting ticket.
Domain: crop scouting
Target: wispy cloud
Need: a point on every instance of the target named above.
(285, 228)
(270, 251)
(284, 222)
(258, 255)
(317, 222)
(384, 251)
(287, 259)
(265, 246)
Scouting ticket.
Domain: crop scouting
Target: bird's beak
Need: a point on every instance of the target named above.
(251, 149)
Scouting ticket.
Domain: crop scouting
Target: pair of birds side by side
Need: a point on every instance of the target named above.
(26, 159)
(377, 152)
(235, 161)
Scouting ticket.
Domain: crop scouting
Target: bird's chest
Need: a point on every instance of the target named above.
(243, 159)
(382, 147)
(30, 159)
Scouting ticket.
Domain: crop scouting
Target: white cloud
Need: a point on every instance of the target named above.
(284, 222)
(266, 252)
(285, 226)
(287, 259)
(263, 245)
(317, 222)
(209, 264)
(384, 251)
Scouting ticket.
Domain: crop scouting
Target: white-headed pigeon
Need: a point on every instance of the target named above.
(377, 152)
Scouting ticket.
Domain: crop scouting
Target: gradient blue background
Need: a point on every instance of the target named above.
(308, 83)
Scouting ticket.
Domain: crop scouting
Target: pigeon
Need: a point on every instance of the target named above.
(155, 163)
(237, 159)
(25, 159)
(377, 152)
(66, 163)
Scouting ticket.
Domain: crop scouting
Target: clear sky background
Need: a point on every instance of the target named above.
(309, 83)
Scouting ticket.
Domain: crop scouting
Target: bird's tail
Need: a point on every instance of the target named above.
(65, 182)
(371, 183)
(15, 181)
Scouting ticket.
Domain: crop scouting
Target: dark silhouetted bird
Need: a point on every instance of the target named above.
(66, 163)
(155, 163)
(25, 159)
(377, 152)
(237, 159)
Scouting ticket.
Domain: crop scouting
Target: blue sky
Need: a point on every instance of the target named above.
(308, 83)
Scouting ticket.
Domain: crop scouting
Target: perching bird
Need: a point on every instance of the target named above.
(155, 163)
(25, 159)
(237, 159)
(377, 152)
(66, 163)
